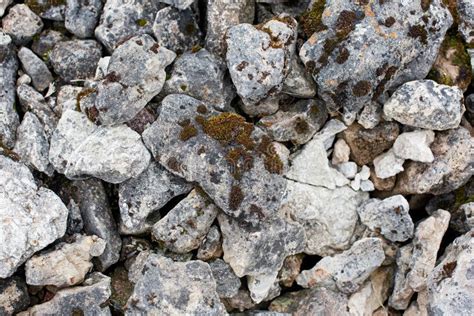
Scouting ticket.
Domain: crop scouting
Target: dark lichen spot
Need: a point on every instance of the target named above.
(311, 20)
(81, 95)
(389, 21)
(235, 197)
(202, 109)
(256, 210)
(187, 132)
(418, 31)
(301, 126)
(155, 47)
(173, 164)
(425, 4)
(141, 22)
(361, 88)
(345, 23)
(343, 55)
(242, 65)
(139, 43)
(201, 150)
(92, 113)
(112, 77)
(449, 268)
(189, 29)
(271, 159)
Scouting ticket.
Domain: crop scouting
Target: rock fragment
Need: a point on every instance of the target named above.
(4, 5)
(13, 295)
(50, 10)
(43, 43)
(211, 246)
(299, 82)
(341, 152)
(228, 283)
(35, 68)
(415, 146)
(179, 4)
(387, 165)
(81, 17)
(21, 24)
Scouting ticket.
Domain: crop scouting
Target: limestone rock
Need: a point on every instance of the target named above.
(228, 283)
(414, 146)
(290, 270)
(4, 5)
(81, 17)
(387, 165)
(348, 169)
(21, 24)
(13, 296)
(35, 68)
(328, 133)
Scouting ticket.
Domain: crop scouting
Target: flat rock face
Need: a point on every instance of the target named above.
(426, 104)
(79, 148)
(175, 288)
(232, 161)
(383, 43)
(13, 296)
(21, 24)
(415, 146)
(26, 228)
(388, 165)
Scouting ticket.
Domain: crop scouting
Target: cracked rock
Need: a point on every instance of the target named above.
(415, 146)
(35, 68)
(81, 17)
(228, 283)
(21, 24)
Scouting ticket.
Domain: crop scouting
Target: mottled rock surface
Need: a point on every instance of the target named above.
(228, 283)
(211, 246)
(388, 165)
(35, 68)
(21, 24)
(81, 16)
(465, 10)
(13, 296)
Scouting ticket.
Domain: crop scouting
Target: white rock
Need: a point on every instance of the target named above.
(3, 5)
(328, 133)
(367, 186)
(348, 169)
(364, 173)
(355, 184)
(341, 152)
(387, 165)
(415, 146)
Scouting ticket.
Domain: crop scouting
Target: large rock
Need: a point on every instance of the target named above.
(234, 162)
(35, 68)
(465, 10)
(13, 296)
(414, 146)
(383, 43)
(21, 24)
(25, 226)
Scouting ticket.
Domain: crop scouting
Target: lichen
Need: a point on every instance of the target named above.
(361, 88)
(141, 22)
(40, 7)
(419, 31)
(83, 94)
(235, 197)
(311, 20)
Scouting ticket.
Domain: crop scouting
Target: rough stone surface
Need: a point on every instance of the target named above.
(48, 10)
(21, 24)
(387, 165)
(45, 41)
(348, 169)
(13, 295)
(81, 16)
(211, 246)
(25, 226)
(35, 68)
(341, 152)
(228, 283)
(290, 270)
(4, 5)
(299, 82)
(415, 146)
(465, 10)
(179, 4)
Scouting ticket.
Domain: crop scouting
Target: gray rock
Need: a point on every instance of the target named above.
(348, 169)
(21, 24)
(465, 9)
(297, 122)
(176, 29)
(240, 302)
(263, 287)
(179, 4)
(75, 59)
(415, 146)
(67, 98)
(135, 74)
(329, 217)
(387, 165)
(186, 225)
(80, 149)
(122, 19)
(141, 196)
(4, 5)
(450, 283)
(299, 82)
(35, 68)
(43, 43)
(259, 60)
(13, 295)
(81, 17)
(451, 168)
(328, 133)
(389, 217)
(87, 299)
(32, 144)
(233, 161)
(47, 9)
(201, 76)
(426, 104)
(367, 186)
(26, 227)
(228, 283)
(211, 246)
(348, 270)
(415, 261)
(174, 288)
(66, 264)
(384, 44)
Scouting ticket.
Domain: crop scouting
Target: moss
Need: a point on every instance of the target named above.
(361, 88)
(343, 55)
(187, 132)
(440, 77)
(274, 40)
(83, 94)
(141, 22)
(183, 87)
(301, 126)
(239, 161)
(40, 8)
(235, 197)
(311, 20)
(45, 55)
(418, 31)
(345, 23)
(271, 160)
(196, 48)
(168, 77)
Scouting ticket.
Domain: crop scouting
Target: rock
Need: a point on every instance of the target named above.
(299, 83)
(211, 246)
(143, 119)
(44, 42)
(32, 144)
(13, 295)
(258, 60)
(179, 4)
(450, 285)
(241, 302)
(171, 288)
(290, 270)
(67, 98)
(263, 287)
(177, 30)
(21, 24)
(367, 186)
(26, 227)
(341, 152)
(123, 19)
(50, 10)
(386, 184)
(186, 225)
(387, 165)
(415, 146)
(82, 16)
(366, 144)
(86, 299)
(328, 133)
(228, 283)
(348, 270)
(389, 217)
(141, 196)
(297, 122)
(4, 5)
(79, 148)
(465, 10)
(75, 59)
(426, 104)
(415, 261)
(329, 217)
(450, 169)
(229, 158)
(135, 74)
(364, 173)
(382, 45)
(348, 169)
(35, 68)
(355, 184)
(122, 288)
(201, 76)
(66, 264)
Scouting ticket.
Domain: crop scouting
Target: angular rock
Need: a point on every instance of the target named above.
(228, 283)
(67, 98)
(389, 217)
(43, 43)
(263, 287)
(4, 5)
(328, 133)
(341, 152)
(179, 4)
(35, 68)
(426, 104)
(290, 270)
(21, 24)
(75, 59)
(79, 148)
(415, 146)
(66, 264)
(231, 160)
(387, 165)
(465, 10)
(46, 9)
(347, 271)
(211, 246)
(348, 169)
(241, 301)
(81, 17)
(299, 82)
(13, 295)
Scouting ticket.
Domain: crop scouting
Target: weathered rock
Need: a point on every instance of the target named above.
(382, 184)
(228, 283)
(451, 168)
(35, 68)
(26, 227)
(4, 5)
(241, 301)
(67, 98)
(13, 295)
(389, 217)
(387, 165)
(258, 60)
(21, 24)
(179, 4)
(299, 82)
(44, 42)
(141, 196)
(75, 59)
(79, 148)
(328, 133)
(171, 288)
(46, 9)
(329, 217)
(382, 44)
(66, 264)
(229, 158)
(348, 169)
(348, 270)
(426, 104)
(290, 270)
(81, 17)
(211, 246)
(366, 144)
(415, 146)
(86, 299)
(416, 260)
(263, 287)
(465, 10)
(186, 225)
(341, 152)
